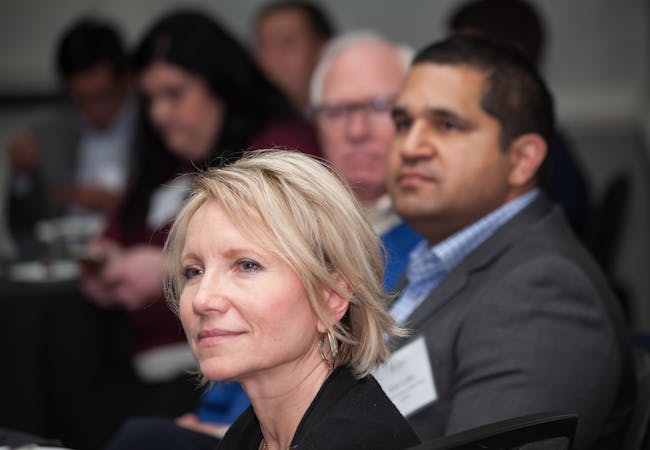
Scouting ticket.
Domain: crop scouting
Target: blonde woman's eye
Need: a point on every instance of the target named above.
(249, 265)
(191, 272)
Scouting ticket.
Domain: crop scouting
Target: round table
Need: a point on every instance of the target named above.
(52, 342)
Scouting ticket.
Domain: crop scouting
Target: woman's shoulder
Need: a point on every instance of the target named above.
(360, 412)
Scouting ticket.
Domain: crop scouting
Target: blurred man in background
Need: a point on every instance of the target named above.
(352, 93)
(289, 37)
(78, 159)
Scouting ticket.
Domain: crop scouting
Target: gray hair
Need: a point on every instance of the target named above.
(341, 43)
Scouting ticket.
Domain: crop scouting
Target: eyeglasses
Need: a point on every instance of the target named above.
(337, 114)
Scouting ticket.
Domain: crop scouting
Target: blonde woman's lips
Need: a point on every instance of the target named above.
(216, 336)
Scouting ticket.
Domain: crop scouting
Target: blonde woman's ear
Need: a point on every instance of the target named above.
(337, 303)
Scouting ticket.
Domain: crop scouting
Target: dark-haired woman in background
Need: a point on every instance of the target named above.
(204, 103)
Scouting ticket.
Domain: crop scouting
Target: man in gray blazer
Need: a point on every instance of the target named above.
(516, 316)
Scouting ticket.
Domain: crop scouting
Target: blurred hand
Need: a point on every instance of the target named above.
(134, 276)
(94, 283)
(129, 278)
(192, 422)
(24, 153)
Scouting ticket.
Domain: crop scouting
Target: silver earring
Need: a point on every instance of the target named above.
(334, 349)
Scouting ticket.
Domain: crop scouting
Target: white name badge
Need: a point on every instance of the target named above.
(406, 377)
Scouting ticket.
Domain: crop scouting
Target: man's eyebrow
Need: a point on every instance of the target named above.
(431, 114)
(443, 113)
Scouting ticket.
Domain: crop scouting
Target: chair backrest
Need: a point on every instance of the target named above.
(638, 430)
(545, 431)
(604, 235)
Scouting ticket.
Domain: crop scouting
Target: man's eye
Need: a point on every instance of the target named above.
(402, 124)
(174, 94)
(447, 125)
(191, 272)
(248, 265)
(333, 112)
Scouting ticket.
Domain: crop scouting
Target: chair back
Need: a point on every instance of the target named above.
(545, 431)
(638, 430)
(605, 233)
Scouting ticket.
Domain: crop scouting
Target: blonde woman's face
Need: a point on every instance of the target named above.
(244, 310)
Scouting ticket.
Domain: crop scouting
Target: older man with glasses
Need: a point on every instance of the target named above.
(352, 93)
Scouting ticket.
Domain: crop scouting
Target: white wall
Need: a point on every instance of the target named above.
(597, 60)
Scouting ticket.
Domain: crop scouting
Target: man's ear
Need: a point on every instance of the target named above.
(527, 153)
(337, 304)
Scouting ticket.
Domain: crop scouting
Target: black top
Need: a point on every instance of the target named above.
(347, 413)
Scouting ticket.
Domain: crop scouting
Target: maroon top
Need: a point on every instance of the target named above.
(155, 325)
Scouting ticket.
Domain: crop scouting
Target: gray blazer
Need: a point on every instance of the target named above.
(526, 323)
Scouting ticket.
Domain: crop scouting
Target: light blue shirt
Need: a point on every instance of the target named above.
(428, 265)
(105, 155)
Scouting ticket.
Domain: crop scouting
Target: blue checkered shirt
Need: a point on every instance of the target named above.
(428, 265)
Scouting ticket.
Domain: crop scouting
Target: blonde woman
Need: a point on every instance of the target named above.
(277, 279)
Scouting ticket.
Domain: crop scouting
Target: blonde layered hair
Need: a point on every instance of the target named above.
(302, 211)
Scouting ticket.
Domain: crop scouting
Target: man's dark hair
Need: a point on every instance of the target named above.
(87, 43)
(319, 23)
(511, 22)
(513, 91)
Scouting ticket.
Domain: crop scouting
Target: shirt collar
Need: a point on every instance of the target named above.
(445, 255)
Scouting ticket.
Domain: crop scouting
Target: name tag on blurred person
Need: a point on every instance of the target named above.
(407, 378)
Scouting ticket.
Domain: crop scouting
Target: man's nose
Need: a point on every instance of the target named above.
(358, 124)
(415, 144)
